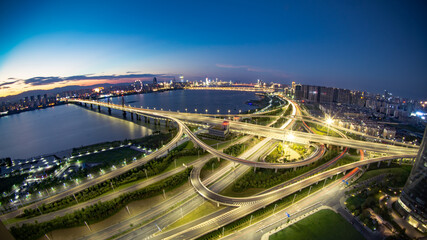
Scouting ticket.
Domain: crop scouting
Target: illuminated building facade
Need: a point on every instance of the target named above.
(413, 201)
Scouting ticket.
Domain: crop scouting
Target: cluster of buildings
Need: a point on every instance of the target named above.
(357, 119)
(27, 103)
(48, 100)
(372, 114)
(383, 105)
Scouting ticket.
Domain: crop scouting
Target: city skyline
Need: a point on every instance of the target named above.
(362, 46)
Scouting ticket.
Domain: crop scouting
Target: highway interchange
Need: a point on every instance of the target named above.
(193, 197)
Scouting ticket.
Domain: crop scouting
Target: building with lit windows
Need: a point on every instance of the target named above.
(413, 201)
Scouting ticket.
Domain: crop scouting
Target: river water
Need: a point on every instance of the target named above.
(59, 128)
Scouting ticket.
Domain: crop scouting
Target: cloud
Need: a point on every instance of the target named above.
(7, 83)
(38, 81)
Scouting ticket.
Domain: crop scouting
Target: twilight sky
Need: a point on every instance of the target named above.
(363, 45)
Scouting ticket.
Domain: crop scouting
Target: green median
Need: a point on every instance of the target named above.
(100, 210)
(133, 176)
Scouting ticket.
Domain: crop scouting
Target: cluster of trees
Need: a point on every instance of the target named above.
(235, 149)
(7, 183)
(300, 149)
(288, 110)
(266, 178)
(368, 198)
(279, 122)
(153, 167)
(260, 120)
(98, 211)
(156, 140)
(277, 101)
(360, 203)
(212, 162)
(152, 141)
(275, 154)
(275, 112)
(6, 162)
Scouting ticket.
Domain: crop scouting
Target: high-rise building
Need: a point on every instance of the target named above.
(293, 85)
(326, 94)
(343, 96)
(313, 94)
(299, 94)
(154, 81)
(413, 200)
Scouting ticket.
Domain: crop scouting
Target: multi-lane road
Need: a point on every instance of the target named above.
(259, 130)
(244, 205)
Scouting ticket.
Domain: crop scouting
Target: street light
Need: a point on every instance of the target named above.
(290, 137)
(329, 121)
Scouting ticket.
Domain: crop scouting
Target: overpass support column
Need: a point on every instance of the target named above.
(379, 164)
(109, 111)
(99, 108)
(368, 166)
(131, 116)
(124, 114)
(254, 169)
(389, 162)
(85, 105)
(400, 161)
(295, 168)
(275, 170)
(91, 106)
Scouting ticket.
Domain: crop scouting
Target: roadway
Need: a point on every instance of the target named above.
(258, 130)
(101, 178)
(256, 200)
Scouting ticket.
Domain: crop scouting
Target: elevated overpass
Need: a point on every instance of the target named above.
(258, 130)
(285, 191)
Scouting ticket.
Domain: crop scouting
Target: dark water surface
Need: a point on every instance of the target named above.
(59, 128)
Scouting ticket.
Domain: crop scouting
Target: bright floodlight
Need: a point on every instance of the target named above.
(290, 137)
(329, 121)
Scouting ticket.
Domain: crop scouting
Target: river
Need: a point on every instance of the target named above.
(63, 127)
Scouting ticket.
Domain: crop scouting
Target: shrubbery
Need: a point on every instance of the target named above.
(266, 178)
(100, 210)
(153, 167)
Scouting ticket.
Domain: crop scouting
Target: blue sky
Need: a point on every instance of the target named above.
(364, 45)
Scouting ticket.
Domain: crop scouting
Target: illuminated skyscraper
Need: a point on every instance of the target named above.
(413, 201)
(154, 81)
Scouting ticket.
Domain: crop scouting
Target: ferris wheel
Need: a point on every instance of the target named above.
(138, 86)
